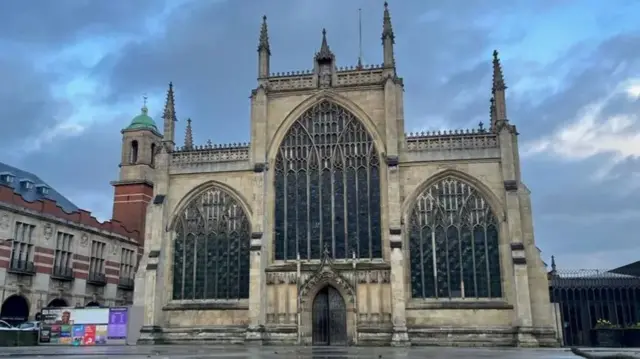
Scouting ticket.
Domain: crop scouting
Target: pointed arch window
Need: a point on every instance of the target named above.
(133, 153)
(453, 236)
(211, 253)
(327, 187)
(153, 153)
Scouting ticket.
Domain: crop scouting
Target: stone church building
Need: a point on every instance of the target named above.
(333, 226)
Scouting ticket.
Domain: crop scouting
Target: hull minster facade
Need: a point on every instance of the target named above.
(334, 227)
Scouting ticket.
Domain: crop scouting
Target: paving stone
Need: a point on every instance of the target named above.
(267, 352)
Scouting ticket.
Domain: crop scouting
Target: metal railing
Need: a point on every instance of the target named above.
(22, 267)
(62, 273)
(125, 283)
(96, 278)
(586, 296)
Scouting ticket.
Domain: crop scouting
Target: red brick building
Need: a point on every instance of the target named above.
(53, 253)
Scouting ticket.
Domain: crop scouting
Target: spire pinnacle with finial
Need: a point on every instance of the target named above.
(553, 263)
(188, 136)
(498, 78)
(387, 28)
(144, 108)
(263, 44)
(325, 54)
(169, 106)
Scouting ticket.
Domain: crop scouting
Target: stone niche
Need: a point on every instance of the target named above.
(364, 287)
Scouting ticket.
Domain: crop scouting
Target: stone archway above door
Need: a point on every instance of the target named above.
(326, 275)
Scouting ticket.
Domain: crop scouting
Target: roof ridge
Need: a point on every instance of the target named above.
(30, 196)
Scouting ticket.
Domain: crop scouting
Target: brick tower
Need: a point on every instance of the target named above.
(134, 188)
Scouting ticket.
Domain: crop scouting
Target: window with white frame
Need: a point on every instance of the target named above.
(63, 256)
(127, 263)
(22, 247)
(96, 263)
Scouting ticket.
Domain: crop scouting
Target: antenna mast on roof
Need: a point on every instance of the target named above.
(359, 39)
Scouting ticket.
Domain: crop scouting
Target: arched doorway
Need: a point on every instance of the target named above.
(93, 304)
(329, 318)
(58, 303)
(15, 310)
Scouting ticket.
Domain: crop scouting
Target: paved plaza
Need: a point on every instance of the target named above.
(267, 352)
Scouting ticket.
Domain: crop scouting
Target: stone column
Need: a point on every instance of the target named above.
(398, 315)
(151, 270)
(510, 175)
(396, 258)
(150, 275)
(256, 293)
(400, 336)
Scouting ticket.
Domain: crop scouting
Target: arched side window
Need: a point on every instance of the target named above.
(453, 241)
(153, 153)
(133, 153)
(211, 253)
(327, 187)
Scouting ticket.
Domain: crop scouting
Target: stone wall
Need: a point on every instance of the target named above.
(381, 308)
(41, 284)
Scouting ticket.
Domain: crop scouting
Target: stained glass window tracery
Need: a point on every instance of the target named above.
(453, 236)
(327, 187)
(211, 252)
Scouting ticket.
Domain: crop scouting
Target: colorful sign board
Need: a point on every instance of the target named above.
(84, 326)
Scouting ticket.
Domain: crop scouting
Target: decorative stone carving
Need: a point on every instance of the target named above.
(281, 278)
(325, 77)
(453, 140)
(207, 154)
(5, 221)
(326, 274)
(114, 249)
(374, 277)
(24, 281)
(60, 286)
(48, 231)
(348, 76)
(84, 240)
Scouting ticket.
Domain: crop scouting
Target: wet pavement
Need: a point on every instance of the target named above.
(268, 352)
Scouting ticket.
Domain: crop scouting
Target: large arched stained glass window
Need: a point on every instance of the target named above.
(453, 238)
(211, 254)
(327, 187)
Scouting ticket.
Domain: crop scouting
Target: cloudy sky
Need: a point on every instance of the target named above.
(74, 73)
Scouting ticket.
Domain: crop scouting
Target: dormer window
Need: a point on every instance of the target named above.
(26, 184)
(42, 189)
(6, 177)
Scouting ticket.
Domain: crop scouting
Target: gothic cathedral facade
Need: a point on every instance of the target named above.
(333, 226)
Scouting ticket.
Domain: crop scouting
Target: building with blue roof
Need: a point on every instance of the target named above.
(32, 188)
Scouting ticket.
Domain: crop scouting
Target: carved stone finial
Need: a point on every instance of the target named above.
(188, 136)
(387, 28)
(263, 43)
(326, 253)
(325, 55)
(498, 78)
(169, 106)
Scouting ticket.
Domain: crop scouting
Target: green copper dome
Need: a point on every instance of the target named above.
(142, 121)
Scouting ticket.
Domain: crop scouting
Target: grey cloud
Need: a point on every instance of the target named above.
(51, 23)
(82, 167)
(217, 59)
(26, 106)
(606, 66)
